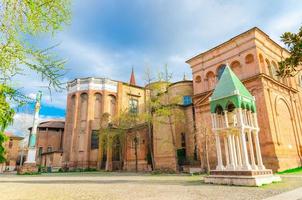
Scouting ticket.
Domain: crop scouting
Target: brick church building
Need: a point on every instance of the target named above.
(180, 145)
(253, 57)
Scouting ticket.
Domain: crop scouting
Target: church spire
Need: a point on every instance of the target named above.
(132, 78)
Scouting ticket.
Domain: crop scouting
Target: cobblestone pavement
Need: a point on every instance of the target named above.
(107, 186)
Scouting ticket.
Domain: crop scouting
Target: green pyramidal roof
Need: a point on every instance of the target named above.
(231, 89)
(229, 84)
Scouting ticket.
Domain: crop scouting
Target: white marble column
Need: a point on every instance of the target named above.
(226, 121)
(244, 117)
(245, 160)
(214, 121)
(230, 145)
(258, 152)
(248, 118)
(251, 148)
(234, 151)
(227, 156)
(238, 152)
(219, 156)
(255, 120)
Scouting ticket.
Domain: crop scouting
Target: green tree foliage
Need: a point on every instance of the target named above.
(291, 65)
(20, 21)
(162, 106)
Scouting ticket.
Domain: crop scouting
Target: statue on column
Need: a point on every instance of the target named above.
(30, 164)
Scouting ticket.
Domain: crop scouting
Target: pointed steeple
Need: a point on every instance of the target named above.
(231, 89)
(132, 78)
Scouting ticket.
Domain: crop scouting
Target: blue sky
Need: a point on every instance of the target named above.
(106, 38)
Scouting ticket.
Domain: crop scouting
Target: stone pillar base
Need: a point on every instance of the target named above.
(28, 168)
(242, 178)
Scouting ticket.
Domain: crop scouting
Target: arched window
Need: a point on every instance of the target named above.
(198, 79)
(274, 69)
(261, 61)
(112, 103)
(220, 70)
(236, 66)
(210, 78)
(269, 67)
(72, 108)
(249, 59)
(84, 104)
(97, 105)
(261, 58)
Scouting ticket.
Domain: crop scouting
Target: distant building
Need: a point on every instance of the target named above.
(12, 146)
(49, 143)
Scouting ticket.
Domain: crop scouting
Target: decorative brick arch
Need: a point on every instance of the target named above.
(83, 105)
(72, 107)
(274, 68)
(249, 58)
(268, 67)
(262, 64)
(98, 102)
(285, 125)
(198, 79)
(210, 80)
(112, 105)
(236, 67)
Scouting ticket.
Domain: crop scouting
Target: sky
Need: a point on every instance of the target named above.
(106, 38)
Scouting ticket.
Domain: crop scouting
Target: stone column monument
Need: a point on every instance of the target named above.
(235, 125)
(30, 163)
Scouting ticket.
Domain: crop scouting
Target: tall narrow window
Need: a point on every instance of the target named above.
(95, 139)
(72, 108)
(210, 80)
(97, 105)
(274, 70)
(112, 105)
(84, 103)
(133, 106)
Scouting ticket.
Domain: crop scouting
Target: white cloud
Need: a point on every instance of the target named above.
(286, 22)
(171, 32)
(23, 121)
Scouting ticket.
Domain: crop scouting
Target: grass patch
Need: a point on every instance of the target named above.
(297, 170)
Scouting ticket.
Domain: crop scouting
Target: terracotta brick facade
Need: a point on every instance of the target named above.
(12, 147)
(253, 57)
(49, 143)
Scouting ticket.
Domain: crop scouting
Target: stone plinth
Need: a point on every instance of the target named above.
(242, 178)
(28, 168)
